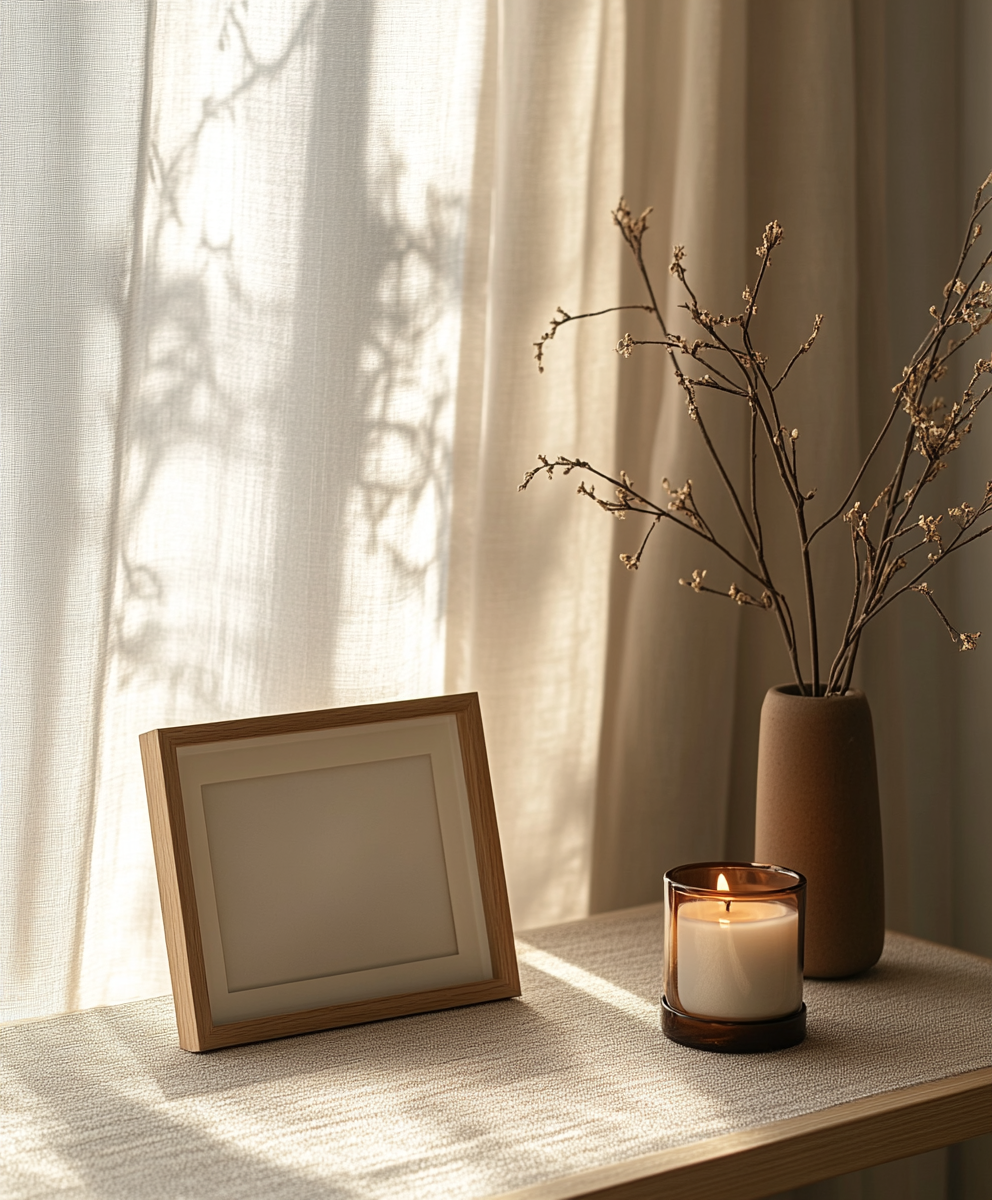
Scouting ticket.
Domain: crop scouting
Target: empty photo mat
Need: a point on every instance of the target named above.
(355, 848)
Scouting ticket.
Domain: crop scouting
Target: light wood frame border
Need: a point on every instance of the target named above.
(772, 1158)
(178, 896)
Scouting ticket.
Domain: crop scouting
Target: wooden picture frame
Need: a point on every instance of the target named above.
(327, 868)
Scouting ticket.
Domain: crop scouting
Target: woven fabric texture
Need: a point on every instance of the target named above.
(465, 1103)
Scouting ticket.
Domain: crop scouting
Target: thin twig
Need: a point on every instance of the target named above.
(557, 323)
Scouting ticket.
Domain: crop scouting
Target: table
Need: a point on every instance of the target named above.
(568, 1091)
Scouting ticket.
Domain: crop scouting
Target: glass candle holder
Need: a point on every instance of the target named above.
(734, 957)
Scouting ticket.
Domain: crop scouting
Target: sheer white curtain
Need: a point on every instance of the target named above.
(272, 275)
(234, 304)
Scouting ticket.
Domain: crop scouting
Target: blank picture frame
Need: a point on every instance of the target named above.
(327, 868)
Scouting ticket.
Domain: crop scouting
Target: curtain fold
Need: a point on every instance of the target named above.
(269, 390)
(72, 81)
(530, 572)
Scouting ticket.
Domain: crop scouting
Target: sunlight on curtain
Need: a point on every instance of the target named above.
(419, 157)
(71, 89)
(283, 508)
(209, 335)
(247, 510)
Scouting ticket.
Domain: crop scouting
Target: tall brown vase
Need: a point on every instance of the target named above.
(817, 812)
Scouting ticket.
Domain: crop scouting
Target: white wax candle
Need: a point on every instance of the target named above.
(738, 963)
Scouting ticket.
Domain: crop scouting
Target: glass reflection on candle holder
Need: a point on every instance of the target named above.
(734, 957)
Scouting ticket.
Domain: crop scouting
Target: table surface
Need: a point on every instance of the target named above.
(570, 1090)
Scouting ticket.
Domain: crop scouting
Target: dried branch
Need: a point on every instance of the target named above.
(557, 322)
(964, 641)
(731, 366)
(740, 597)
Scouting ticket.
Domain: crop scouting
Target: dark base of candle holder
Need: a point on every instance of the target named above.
(733, 1037)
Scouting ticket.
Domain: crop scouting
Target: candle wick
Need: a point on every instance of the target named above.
(727, 902)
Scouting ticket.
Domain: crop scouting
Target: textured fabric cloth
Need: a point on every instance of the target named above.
(103, 1104)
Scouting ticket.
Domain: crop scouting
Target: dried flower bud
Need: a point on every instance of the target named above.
(963, 514)
(696, 582)
(625, 346)
(632, 229)
(770, 239)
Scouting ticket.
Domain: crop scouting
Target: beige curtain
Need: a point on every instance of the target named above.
(272, 390)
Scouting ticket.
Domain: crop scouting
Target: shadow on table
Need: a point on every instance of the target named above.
(122, 1112)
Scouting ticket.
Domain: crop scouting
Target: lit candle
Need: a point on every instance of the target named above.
(737, 958)
(737, 952)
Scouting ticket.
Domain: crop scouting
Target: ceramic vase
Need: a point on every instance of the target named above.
(817, 813)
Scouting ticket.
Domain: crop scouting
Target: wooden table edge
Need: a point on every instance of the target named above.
(771, 1158)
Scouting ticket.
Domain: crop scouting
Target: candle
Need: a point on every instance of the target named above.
(738, 961)
(734, 942)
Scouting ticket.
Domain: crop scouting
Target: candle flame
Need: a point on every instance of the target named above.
(723, 886)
